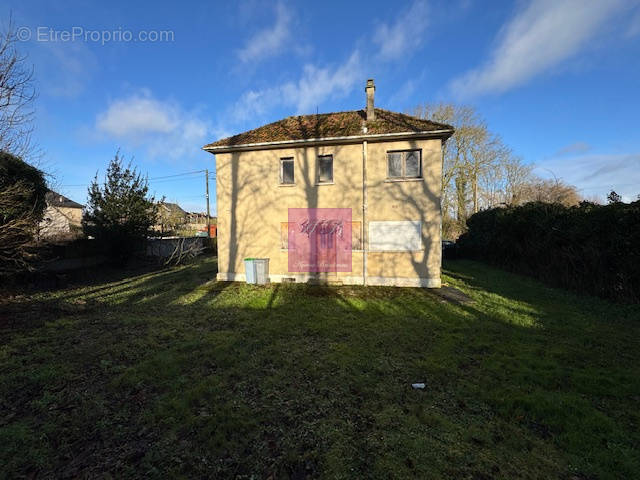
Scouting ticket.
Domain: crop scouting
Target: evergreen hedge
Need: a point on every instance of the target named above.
(589, 248)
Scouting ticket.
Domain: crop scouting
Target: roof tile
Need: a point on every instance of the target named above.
(327, 125)
(54, 199)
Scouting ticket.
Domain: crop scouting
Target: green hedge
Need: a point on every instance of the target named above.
(14, 170)
(589, 248)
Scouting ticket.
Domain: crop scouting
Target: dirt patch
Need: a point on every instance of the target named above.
(452, 295)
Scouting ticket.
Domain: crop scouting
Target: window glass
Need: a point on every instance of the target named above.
(325, 168)
(412, 164)
(395, 164)
(286, 171)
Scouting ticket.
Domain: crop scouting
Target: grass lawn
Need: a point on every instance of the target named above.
(169, 374)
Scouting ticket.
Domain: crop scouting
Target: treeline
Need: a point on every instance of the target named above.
(481, 172)
(588, 248)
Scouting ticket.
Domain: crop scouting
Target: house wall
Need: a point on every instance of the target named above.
(58, 221)
(252, 205)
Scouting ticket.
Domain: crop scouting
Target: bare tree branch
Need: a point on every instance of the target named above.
(17, 95)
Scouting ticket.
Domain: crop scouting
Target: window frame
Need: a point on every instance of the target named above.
(324, 182)
(293, 163)
(403, 165)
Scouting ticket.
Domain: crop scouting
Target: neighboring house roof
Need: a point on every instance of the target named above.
(199, 214)
(54, 199)
(332, 126)
(173, 208)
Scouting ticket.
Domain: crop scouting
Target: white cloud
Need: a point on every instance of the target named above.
(318, 84)
(404, 35)
(535, 40)
(315, 85)
(164, 128)
(597, 174)
(270, 41)
(137, 115)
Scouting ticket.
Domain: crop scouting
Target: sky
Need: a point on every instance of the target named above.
(558, 80)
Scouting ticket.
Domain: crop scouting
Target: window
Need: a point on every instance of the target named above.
(325, 169)
(286, 171)
(404, 164)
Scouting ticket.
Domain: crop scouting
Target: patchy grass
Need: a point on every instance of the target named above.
(168, 374)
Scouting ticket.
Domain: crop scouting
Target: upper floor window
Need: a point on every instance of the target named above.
(325, 169)
(404, 164)
(287, 174)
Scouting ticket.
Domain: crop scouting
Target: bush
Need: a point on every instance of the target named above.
(15, 171)
(588, 248)
(22, 202)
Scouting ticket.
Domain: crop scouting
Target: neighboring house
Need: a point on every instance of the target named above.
(170, 217)
(358, 192)
(198, 218)
(198, 221)
(62, 217)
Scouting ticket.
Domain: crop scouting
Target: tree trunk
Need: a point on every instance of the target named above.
(461, 197)
(474, 186)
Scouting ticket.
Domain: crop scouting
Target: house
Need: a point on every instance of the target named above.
(62, 217)
(198, 218)
(170, 217)
(198, 221)
(347, 198)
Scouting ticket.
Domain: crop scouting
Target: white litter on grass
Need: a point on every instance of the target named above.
(418, 386)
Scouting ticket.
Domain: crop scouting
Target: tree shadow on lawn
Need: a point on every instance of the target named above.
(175, 375)
(557, 308)
(574, 377)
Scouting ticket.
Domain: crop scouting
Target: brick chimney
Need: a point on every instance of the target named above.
(370, 89)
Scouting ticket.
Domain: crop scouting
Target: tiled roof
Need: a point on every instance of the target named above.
(328, 125)
(54, 199)
(173, 208)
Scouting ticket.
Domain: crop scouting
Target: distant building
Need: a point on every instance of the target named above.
(197, 221)
(171, 217)
(198, 218)
(62, 217)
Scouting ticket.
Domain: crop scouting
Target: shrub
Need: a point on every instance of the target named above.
(22, 202)
(588, 248)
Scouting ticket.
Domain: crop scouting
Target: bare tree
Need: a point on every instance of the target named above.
(468, 154)
(470, 129)
(17, 230)
(17, 95)
(551, 191)
(517, 176)
(480, 171)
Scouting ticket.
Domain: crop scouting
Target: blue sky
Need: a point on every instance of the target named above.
(558, 80)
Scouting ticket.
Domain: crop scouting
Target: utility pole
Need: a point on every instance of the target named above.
(206, 175)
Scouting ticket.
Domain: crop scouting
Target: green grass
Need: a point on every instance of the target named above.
(169, 374)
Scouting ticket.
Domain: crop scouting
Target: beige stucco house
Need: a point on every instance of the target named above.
(384, 166)
(62, 217)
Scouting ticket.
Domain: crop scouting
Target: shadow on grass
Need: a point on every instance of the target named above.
(170, 373)
(555, 307)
